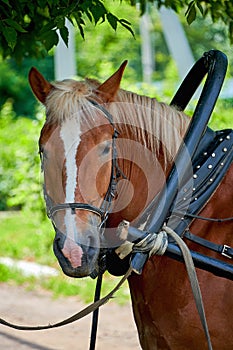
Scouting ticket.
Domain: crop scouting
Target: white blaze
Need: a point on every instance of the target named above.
(70, 135)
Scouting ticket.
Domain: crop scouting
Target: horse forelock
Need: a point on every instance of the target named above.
(68, 98)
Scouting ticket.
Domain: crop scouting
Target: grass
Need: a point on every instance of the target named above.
(24, 236)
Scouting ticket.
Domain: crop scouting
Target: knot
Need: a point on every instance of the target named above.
(153, 243)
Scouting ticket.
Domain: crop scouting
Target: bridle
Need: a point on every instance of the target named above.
(116, 173)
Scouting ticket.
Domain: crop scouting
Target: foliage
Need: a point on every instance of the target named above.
(19, 167)
(32, 28)
(14, 85)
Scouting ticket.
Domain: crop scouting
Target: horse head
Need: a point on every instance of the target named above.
(77, 151)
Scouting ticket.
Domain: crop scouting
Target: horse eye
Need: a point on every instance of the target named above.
(105, 148)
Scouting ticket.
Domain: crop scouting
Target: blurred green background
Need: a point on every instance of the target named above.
(25, 232)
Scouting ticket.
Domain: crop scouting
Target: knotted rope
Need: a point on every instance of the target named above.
(152, 244)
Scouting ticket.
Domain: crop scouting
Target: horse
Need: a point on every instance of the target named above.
(106, 153)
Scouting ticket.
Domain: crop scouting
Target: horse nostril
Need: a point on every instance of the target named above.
(59, 238)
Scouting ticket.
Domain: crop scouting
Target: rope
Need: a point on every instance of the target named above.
(151, 244)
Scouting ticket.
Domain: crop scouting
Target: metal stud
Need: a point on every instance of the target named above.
(221, 164)
(195, 198)
(211, 180)
(210, 166)
(184, 199)
(224, 149)
(221, 139)
(194, 189)
(205, 153)
(213, 155)
(198, 166)
(228, 137)
(195, 176)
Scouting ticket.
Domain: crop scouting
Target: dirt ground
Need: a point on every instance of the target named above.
(116, 330)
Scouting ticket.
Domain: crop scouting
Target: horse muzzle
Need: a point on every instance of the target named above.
(77, 259)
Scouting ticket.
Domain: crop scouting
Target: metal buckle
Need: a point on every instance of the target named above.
(224, 251)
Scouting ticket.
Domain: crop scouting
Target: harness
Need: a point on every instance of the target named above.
(211, 154)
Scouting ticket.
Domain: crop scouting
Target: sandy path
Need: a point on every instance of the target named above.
(116, 331)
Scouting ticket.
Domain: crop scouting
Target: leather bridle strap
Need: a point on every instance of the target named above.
(84, 206)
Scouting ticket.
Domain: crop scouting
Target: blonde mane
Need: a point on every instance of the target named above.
(160, 125)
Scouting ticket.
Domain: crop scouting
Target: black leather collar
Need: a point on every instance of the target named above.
(209, 167)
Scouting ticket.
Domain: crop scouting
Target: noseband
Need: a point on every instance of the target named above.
(106, 205)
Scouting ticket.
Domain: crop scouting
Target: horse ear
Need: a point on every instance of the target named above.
(40, 86)
(110, 87)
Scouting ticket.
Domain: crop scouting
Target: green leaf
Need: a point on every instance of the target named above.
(112, 20)
(64, 34)
(50, 39)
(98, 11)
(123, 23)
(189, 6)
(10, 35)
(15, 25)
(46, 28)
(81, 30)
(60, 22)
(200, 7)
(191, 13)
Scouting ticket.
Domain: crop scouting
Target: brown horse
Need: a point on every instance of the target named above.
(78, 146)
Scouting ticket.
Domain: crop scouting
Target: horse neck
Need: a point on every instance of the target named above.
(150, 135)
